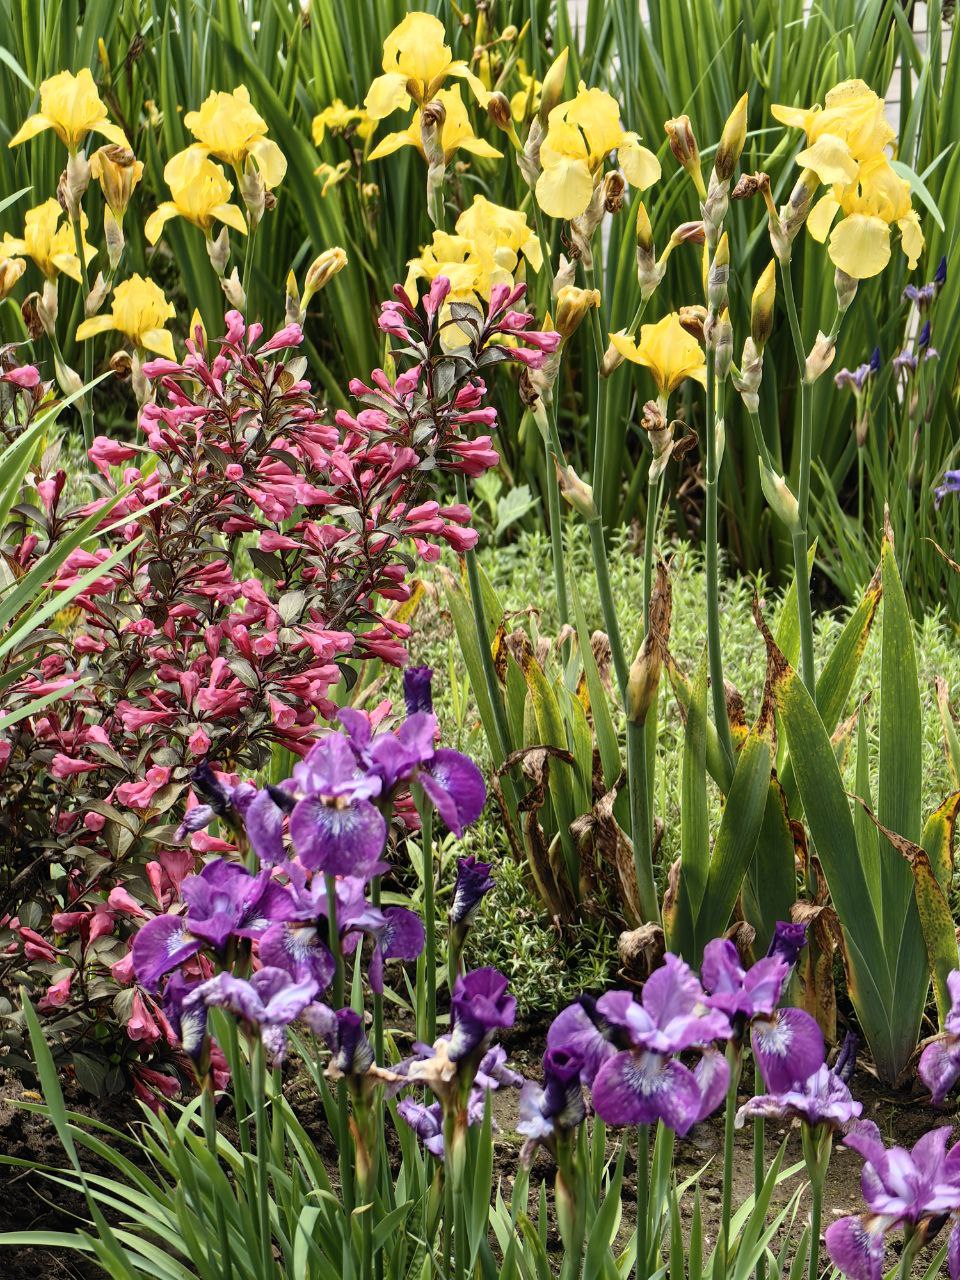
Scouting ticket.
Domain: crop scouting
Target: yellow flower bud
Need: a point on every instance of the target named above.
(573, 304)
(551, 92)
(644, 229)
(731, 141)
(683, 144)
(322, 270)
(11, 269)
(118, 171)
(761, 306)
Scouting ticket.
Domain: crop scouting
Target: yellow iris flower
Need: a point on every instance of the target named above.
(201, 194)
(51, 246)
(71, 106)
(667, 350)
(580, 134)
(500, 233)
(417, 61)
(860, 241)
(229, 127)
(139, 312)
(338, 118)
(456, 135)
(850, 128)
(471, 272)
(521, 100)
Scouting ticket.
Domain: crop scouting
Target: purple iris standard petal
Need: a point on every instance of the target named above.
(736, 990)
(822, 1099)
(671, 1016)
(575, 1033)
(939, 1067)
(189, 1022)
(426, 1123)
(330, 769)
(162, 944)
(340, 840)
(263, 823)
(479, 1006)
(493, 1072)
(455, 788)
(298, 947)
(353, 1052)
(855, 1246)
(643, 1087)
(269, 1001)
(788, 1047)
(359, 731)
(712, 1074)
(788, 941)
(226, 901)
(535, 1122)
(474, 880)
(417, 694)
(195, 819)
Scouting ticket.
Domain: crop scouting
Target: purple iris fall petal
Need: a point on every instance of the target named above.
(298, 947)
(822, 1099)
(855, 1246)
(788, 1047)
(905, 1186)
(162, 944)
(479, 1006)
(269, 1001)
(337, 840)
(712, 1074)
(189, 1022)
(939, 1067)
(455, 788)
(641, 1088)
(426, 1123)
(417, 693)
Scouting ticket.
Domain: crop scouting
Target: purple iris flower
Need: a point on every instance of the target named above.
(426, 1123)
(417, 693)
(343, 1033)
(905, 362)
(788, 1046)
(940, 275)
(335, 827)
(397, 935)
(857, 379)
(474, 880)
(584, 1033)
(217, 800)
(557, 1105)
(479, 1007)
(224, 901)
(939, 1067)
(189, 1022)
(922, 295)
(949, 484)
(644, 1082)
(789, 939)
(901, 1188)
(822, 1099)
(269, 1002)
(742, 994)
(263, 823)
(923, 341)
(493, 1072)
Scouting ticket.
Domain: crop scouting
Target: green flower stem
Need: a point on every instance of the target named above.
(641, 827)
(263, 1156)
(817, 1144)
(643, 1197)
(551, 462)
(654, 486)
(486, 654)
(339, 987)
(86, 406)
(808, 671)
(712, 565)
(427, 1018)
(210, 1134)
(729, 1116)
(759, 1172)
(599, 442)
(248, 261)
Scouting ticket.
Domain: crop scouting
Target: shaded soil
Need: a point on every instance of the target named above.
(30, 1202)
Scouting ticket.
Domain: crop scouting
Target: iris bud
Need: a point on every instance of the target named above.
(761, 306)
(683, 144)
(731, 141)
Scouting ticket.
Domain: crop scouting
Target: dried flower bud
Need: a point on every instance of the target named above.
(689, 233)
(576, 492)
(750, 184)
(748, 380)
(322, 270)
(612, 360)
(573, 304)
(97, 296)
(11, 269)
(73, 184)
(498, 109)
(48, 307)
(218, 251)
(614, 186)
(653, 417)
(683, 144)
(778, 494)
(820, 358)
(644, 679)
(693, 318)
(253, 192)
(731, 141)
(30, 311)
(121, 362)
(551, 91)
(846, 287)
(762, 303)
(793, 214)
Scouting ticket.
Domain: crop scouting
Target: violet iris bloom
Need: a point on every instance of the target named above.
(554, 1108)
(263, 822)
(343, 1033)
(479, 1007)
(189, 1023)
(939, 1067)
(901, 1188)
(397, 935)
(583, 1032)
(949, 484)
(417, 693)
(268, 1003)
(223, 902)
(788, 939)
(474, 880)
(426, 1123)
(645, 1083)
(335, 827)
(822, 1099)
